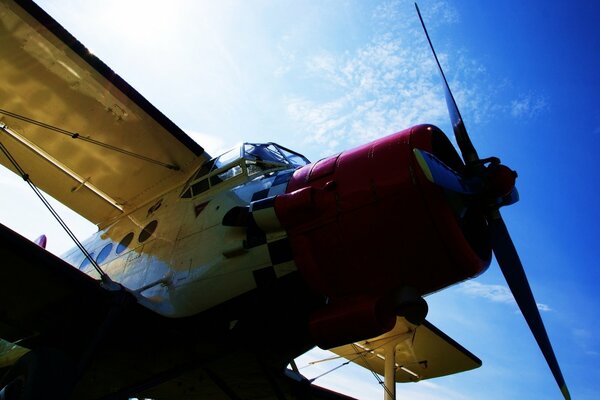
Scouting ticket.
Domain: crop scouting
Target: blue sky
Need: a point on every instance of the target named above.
(320, 77)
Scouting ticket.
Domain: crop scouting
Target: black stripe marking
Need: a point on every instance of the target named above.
(264, 203)
(254, 235)
(280, 251)
(261, 194)
(264, 277)
(282, 178)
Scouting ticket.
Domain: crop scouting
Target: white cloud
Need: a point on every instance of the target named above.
(495, 293)
(543, 307)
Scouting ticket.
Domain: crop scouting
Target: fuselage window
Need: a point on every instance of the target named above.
(223, 176)
(147, 231)
(187, 194)
(86, 261)
(205, 169)
(124, 243)
(104, 253)
(199, 187)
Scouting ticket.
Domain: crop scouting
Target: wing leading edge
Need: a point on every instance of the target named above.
(79, 130)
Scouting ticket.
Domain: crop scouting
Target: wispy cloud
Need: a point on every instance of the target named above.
(528, 106)
(367, 98)
(495, 293)
(391, 82)
(385, 85)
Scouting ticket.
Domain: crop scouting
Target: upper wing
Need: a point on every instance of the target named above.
(422, 352)
(78, 130)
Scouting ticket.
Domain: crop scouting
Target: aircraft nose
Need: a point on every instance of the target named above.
(365, 223)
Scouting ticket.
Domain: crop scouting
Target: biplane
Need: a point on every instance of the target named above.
(209, 275)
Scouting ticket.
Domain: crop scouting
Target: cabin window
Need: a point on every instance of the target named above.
(147, 231)
(124, 243)
(104, 253)
(86, 261)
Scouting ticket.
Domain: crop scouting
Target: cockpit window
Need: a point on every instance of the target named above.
(250, 159)
(204, 169)
(199, 187)
(296, 159)
(225, 175)
(263, 152)
(226, 158)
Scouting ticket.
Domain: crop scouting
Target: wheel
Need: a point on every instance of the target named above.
(39, 374)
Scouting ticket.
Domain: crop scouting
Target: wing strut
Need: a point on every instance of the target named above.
(81, 182)
(390, 372)
(103, 275)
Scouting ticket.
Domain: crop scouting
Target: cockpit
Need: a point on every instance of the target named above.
(248, 160)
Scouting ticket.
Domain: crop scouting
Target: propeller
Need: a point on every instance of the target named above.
(494, 184)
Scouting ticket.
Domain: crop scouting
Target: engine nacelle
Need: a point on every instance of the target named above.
(367, 222)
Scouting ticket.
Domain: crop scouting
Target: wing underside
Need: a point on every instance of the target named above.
(421, 352)
(44, 302)
(79, 131)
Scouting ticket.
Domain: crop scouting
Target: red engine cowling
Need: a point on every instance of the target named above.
(367, 222)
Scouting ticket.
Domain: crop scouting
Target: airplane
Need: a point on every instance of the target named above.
(209, 275)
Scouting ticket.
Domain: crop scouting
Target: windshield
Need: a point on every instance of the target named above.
(272, 152)
(248, 160)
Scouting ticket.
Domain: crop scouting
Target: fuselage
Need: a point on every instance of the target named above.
(175, 252)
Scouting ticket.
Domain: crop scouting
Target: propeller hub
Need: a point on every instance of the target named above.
(500, 180)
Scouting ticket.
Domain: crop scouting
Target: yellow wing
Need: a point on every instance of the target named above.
(421, 352)
(76, 128)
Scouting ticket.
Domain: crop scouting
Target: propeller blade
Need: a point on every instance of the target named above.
(513, 272)
(467, 150)
(442, 175)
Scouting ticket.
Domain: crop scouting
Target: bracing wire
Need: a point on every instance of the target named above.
(361, 354)
(105, 278)
(75, 135)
